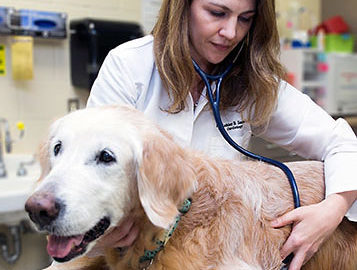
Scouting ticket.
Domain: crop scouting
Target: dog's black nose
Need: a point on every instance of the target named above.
(43, 208)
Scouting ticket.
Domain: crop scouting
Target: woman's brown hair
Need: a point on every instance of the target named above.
(254, 81)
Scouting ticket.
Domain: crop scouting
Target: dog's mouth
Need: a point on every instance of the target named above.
(65, 248)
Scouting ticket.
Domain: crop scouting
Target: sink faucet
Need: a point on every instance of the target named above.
(8, 142)
(8, 146)
(21, 170)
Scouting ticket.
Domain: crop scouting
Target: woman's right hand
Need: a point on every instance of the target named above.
(122, 235)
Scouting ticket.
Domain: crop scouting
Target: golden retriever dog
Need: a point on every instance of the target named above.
(101, 166)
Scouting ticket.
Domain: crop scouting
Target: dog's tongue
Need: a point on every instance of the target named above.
(60, 246)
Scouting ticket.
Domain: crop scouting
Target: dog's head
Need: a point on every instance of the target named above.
(97, 165)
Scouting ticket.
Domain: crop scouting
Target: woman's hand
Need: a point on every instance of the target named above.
(121, 236)
(312, 225)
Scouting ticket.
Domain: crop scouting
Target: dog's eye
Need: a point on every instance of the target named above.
(57, 148)
(106, 156)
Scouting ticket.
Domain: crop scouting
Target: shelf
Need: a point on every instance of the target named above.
(312, 84)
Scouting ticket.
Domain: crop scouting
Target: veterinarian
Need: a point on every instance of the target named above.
(155, 74)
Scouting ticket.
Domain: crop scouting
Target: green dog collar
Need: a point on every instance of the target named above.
(149, 255)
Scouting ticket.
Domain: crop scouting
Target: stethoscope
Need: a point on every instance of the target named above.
(215, 108)
(214, 101)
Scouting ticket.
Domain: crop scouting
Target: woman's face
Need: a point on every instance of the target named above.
(216, 27)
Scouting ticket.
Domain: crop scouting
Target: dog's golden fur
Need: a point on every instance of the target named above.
(228, 225)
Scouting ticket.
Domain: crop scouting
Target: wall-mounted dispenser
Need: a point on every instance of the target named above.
(32, 23)
(90, 41)
(4, 13)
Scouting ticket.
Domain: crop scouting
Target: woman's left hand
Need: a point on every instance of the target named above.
(310, 228)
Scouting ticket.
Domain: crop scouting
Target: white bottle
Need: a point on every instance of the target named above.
(321, 40)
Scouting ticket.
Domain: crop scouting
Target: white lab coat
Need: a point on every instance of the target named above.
(129, 75)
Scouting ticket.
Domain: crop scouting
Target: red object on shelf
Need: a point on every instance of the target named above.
(336, 25)
(322, 67)
(333, 25)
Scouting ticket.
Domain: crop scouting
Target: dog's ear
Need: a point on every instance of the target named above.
(43, 150)
(43, 156)
(166, 178)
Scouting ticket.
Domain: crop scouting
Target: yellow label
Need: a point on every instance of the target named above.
(2, 60)
(22, 58)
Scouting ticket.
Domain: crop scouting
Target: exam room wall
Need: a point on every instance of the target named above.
(39, 101)
(290, 19)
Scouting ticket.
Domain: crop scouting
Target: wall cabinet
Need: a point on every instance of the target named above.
(330, 79)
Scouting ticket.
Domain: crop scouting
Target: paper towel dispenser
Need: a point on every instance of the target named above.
(90, 42)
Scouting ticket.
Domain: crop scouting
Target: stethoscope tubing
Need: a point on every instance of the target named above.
(214, 101)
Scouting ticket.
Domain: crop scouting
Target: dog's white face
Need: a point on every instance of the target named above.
(89, 155)
(97, 164)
